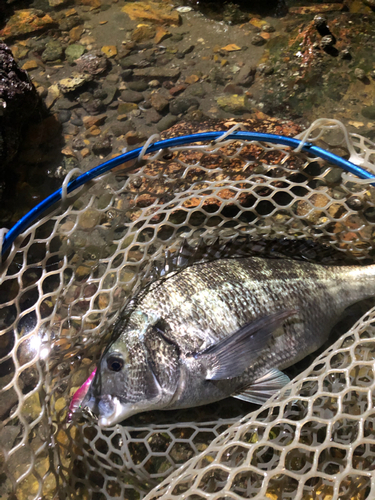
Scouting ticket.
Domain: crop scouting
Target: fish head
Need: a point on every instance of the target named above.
(128, 379)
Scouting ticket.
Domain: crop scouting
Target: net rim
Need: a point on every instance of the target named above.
(300, 145)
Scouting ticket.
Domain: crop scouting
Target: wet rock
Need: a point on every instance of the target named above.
(166, 122)
(67, 85)
(345, 54)
(369, 112)
(143, 32)
(126, 107)
(196, 90)
(102, 146)
(327, 42)
(235, 104)
(75, 33)
(246, 75)
(18, 100)
(360, 73)
(74, 52)
(53, 51)
(94, 121)
(64, 116)
(182, 104)
(26, 22)
(110, 93)
(158, 73)
(161, 34)
(265, 69)
(138, 85)
(68, 23)
(30, 65)
(152, 116)
(217, 76)
(92, 63)
(90, 104)
(258, 40)
(152, 12)
(133, 138)
(109, 50)
(159, 102)
(121, 128)
(268, 28)
(178, 89)
(53, 93)
(131, 96)
(65, 103)
(232, 88)
(78, 143)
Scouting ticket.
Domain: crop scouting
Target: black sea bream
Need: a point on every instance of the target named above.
(218, 329)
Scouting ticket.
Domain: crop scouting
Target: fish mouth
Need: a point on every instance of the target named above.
(108, 410)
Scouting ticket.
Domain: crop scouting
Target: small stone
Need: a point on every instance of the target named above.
(327, 41)
(121, 128)
(258, 23)
(85, 152)
(53, 51)
(359, 73)
(131, 96)
(64, 116)
(143, 32)
(232, 88)
(69, 84)
(89, 219)
(192, 79)
(133, 138)
(110, 93)
(182, 104)
(92, 63)
(178, 89)
(29, 65)
(157, 73)
(102, 147)
(57, 3)
(345, 54)
(369, 112)
(152, 116)
(246, 75)
(90, 121)
(76, 33)
(93, 4)
(268, 28)
(67, 24)
(159, 102)
(236, 104)
(109, 50)
(152, 12)
(138, 86)
(53, 93)
(74, 52)
(320, 22)
(25, 22)
(78, 143)
(232, 47)
(161, 34)
(87, 40)
(265, 69)
(166, 122)
(258, 40)
(154, 84)
(354, 203)
(126, 107)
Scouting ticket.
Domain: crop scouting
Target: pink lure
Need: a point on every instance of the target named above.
(78, 396)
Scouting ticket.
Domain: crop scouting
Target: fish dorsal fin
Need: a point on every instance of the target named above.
(264, 387)
(230, 357)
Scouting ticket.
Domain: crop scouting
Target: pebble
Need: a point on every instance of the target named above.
(157, 73)
(182, 104)
(74, 52)
(78, 143)
(369, 112)
(327, 41)
(131, 96)
(64, 116)
(31, 64)
(53, 51)
(121, 128)
(258, 40)
(67, 85)
(178, 89)
(232, 88)
(75, 33)
(152, 116)
(268, 28)
(354, 203)
(132, 137)
(138, 85)
(76, 121)
(159, 102)
(102, 146)
(143, 32)
(235, 104)
(166, 122)
(109, 50)
(359, 73)
(246, 75)
(126, 107)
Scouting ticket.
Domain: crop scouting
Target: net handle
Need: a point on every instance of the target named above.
(294, 143)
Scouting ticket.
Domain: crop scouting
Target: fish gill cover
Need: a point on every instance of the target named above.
(67, 279)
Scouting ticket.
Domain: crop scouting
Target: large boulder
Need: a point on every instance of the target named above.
(18, 100)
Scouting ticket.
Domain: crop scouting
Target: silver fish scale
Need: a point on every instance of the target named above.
(208, 302)
(316, 442)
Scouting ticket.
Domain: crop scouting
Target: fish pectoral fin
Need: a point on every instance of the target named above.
(230, 357)
(264, 387)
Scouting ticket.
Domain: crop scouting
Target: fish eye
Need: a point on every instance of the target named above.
(115, 363)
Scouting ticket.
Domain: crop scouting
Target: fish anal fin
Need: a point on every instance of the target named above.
(263, 388)
(230, 357)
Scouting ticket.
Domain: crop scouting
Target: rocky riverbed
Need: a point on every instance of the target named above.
(111, 73)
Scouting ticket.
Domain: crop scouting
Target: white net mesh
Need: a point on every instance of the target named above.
(67, 279)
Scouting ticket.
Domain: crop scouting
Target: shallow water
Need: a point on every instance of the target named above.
(215, 61)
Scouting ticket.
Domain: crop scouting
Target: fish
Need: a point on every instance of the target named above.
(226, 326)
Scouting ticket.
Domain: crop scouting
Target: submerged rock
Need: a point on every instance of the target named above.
(18, 100)
(25, 22)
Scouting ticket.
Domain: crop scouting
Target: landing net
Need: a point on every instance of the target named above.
(66, 278)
